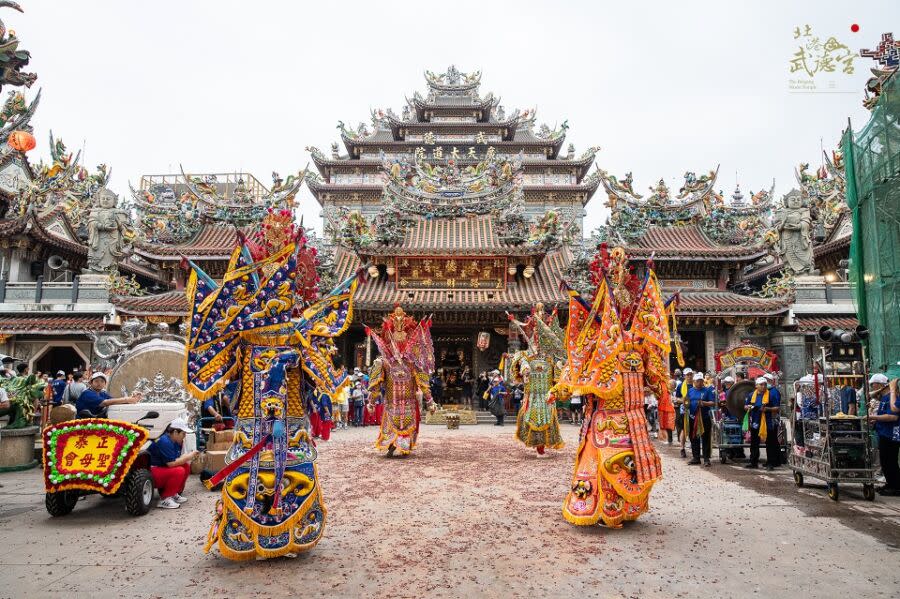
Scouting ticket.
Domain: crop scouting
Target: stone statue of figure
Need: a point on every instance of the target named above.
(108, 233)
(794, 225)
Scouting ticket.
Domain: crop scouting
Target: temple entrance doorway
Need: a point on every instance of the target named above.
(58, 357)
(693, 347)
(453, 366)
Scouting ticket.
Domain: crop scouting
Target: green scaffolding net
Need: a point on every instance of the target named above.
(872, 163)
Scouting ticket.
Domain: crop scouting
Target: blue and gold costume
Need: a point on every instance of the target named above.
(242, 331)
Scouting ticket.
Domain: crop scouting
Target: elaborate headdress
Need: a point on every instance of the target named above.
(402, 337)
(542, 332)
(267, 295)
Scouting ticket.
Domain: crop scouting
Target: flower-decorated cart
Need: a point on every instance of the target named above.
(93, 455)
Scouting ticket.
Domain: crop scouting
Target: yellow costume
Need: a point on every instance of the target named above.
(615, 346)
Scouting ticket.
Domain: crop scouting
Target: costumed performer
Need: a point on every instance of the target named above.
(400, 377)
(616, 344)
(263, 328)
(538, 367)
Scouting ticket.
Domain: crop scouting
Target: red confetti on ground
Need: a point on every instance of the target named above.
(854, 28)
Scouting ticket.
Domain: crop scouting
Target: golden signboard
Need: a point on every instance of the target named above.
(746, 353)
(451, 273)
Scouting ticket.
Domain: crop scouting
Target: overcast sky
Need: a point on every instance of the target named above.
(661, 87)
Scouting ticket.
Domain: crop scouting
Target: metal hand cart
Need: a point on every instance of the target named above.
(836, 450)
(728, 436)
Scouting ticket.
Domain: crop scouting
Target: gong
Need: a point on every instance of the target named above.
(734, 399)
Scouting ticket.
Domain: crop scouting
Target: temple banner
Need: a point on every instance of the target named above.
(451, 273)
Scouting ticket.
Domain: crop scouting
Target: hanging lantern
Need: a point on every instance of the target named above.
(484, 340)
(23, 141)
(373, 271)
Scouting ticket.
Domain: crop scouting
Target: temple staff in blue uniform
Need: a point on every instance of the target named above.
(887, 424)
(94, 401)
(763, 404)
(683, 382)
(699, 403)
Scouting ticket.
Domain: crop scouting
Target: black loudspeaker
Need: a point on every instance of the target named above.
(826, 333)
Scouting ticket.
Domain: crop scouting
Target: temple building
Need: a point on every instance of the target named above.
(458, 208)
(744, 269)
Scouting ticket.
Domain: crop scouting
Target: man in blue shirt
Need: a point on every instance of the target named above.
(764, 404)
(168, 467)
(699, 402)
(497, 394)
(683, 381)
(94, 400)
(886, 421)
(848, 400)
(59, 386)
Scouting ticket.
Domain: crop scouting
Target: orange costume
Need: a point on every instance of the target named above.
(615, 345)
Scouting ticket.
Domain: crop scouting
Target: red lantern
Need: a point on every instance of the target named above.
(23, 141)
(484, 340)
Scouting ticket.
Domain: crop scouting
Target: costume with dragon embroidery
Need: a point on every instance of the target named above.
(262, 330)
(400, 377)
(616, 345)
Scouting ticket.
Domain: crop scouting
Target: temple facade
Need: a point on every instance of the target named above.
(458, 208)
(464, 210)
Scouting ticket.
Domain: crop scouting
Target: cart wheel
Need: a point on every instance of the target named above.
(138, 492)
(833, 491)
(723, 457)
(869, 492)
(61, 502)
(798, 478)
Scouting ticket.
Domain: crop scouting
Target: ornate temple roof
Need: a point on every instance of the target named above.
(688, 241)
(734, 223)
(42, 323)
(812, 324)
(170, 303)
(173, 209)
(340, 163)
(728, 303)
(466, 236)
(212, 241)
(452, 110)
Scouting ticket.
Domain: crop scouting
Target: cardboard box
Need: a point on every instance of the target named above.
(220, 437)
(215, 460)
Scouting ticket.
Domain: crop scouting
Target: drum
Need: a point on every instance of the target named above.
(61, 414)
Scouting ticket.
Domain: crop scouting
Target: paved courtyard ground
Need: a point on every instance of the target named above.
(471, 514)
